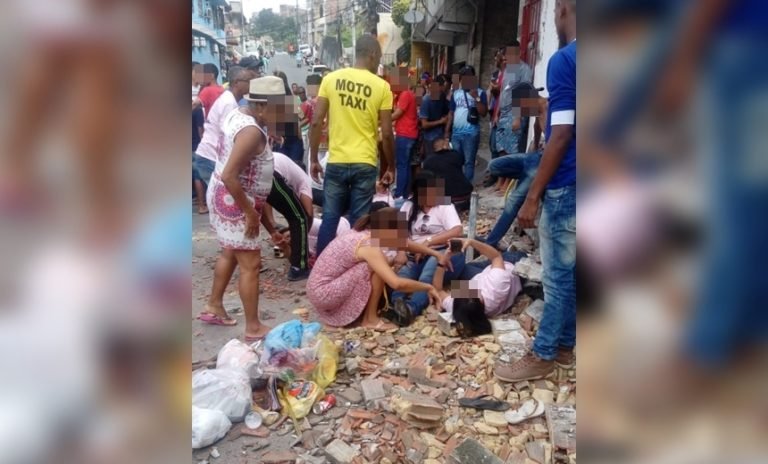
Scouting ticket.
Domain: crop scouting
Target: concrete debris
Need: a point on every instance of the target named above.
(529, 269)
(471, 451)
(338, 452)
(535, 310)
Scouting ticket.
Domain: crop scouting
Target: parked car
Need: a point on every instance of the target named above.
(319, 69)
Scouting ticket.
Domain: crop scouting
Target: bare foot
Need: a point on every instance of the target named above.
(202, 211)
(258, 334)
(379, 325)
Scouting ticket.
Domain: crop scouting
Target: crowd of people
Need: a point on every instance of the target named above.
(391, 165)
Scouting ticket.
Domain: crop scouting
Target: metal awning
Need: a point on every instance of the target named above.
(208, 32)
(444, 20)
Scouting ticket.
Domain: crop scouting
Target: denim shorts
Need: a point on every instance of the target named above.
(204, 168)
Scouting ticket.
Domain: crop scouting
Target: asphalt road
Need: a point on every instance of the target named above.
(287, 64)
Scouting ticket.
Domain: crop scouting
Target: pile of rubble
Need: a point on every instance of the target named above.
(397, 396)
(398, 402)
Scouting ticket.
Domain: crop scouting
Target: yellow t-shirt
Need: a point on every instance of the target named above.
(355, 97)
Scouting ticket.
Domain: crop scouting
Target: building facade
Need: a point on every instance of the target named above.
(208, 37)
(455, 33)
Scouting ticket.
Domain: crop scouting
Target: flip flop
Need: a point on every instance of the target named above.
(482, 403)
(528, 410)
(214, 319)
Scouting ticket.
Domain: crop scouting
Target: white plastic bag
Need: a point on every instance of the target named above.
(208, 426)
(237, 355)
(225, 390)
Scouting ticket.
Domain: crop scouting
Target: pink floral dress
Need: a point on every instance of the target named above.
(340, 284)
(227, 219)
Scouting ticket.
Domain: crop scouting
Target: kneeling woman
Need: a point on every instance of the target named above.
(348, 278)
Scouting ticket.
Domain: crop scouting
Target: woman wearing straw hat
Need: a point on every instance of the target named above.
(240, 185)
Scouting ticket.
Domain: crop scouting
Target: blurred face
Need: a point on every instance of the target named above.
(399, 80)
(197, 75)
(512, 55)
(302, 94)
(433, 194)
(435, 90)
(468, 82)
(390, 229)
(294, 88)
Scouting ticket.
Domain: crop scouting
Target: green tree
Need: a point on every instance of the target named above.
(266, 22)
(399, 8)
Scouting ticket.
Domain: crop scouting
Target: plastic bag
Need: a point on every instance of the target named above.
(237, 355)
(327, 355)
(298, 398)
(208, 426)
(225, 390)
(289, 336)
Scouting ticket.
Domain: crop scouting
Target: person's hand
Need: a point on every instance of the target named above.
(401, 259)
(388, 178)
(277, 238)
(434, 297)
(473, 93)
(251, 224)
(417, 257)
(316, 171)
(527, 214)
(445, 261)
(516, 124)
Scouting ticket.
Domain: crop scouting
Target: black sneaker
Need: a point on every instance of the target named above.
(295, 274)
(399, 313)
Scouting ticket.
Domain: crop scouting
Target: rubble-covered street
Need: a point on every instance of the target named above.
(398, 393)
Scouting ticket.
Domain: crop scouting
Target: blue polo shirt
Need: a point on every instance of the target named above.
(561, 85)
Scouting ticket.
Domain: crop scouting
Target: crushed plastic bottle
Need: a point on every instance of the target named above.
(253, 420)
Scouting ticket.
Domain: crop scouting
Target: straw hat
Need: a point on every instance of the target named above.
(263, 87)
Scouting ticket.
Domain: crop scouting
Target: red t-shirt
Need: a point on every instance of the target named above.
(408, 124)
(308, 108)
(208, 96)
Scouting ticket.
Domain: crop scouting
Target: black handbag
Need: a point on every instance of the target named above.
(473, 116)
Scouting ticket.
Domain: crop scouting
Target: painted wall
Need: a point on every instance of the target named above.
(389, 35)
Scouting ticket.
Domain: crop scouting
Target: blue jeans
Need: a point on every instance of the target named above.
(522, 167)
(476, 267)
(403, 147)
(557, 230)
(424, 271)
(467, 144)
(347, 187)
(730, 308)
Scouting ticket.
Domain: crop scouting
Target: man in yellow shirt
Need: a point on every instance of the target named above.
(357, 102)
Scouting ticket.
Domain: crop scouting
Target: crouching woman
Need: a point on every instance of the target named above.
(348, 279)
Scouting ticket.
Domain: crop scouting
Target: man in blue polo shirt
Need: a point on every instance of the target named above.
(555, 188)
(469, 103)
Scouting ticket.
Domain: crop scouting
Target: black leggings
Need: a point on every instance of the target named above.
(287, 203)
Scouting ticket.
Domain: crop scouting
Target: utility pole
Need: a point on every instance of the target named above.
(298, 26)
